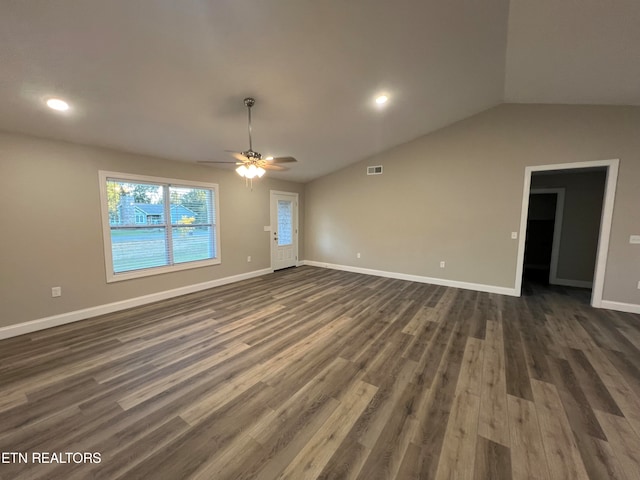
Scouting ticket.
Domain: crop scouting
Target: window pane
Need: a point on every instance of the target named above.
(134, 203)
(192, 243)
(137, 248)
(285, 223)
(191, 205)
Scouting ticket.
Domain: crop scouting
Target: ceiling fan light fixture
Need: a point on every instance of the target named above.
(57, 104)
(381, 99)
(250, 171)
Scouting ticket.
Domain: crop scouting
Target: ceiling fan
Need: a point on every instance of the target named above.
(251, 163)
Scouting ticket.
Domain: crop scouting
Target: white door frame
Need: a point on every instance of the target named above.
(605, 222)
(557, 228)
(271, 222)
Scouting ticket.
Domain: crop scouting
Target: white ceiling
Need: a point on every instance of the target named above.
(167, 78)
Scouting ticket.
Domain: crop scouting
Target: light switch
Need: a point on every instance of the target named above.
(634, 239)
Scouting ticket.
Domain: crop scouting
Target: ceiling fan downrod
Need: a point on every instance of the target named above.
(250, 102)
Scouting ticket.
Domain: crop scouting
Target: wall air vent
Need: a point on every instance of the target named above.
(377, 170)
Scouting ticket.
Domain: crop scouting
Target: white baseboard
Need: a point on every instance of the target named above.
(571, 283)
(479, 287)
(620, 306)
(77, 315)
(69, 317)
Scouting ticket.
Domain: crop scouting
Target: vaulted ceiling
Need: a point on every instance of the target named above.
(167, 78)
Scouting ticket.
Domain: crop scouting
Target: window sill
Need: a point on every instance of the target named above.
(148, 272)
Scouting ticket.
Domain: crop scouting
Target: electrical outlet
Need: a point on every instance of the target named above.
(56, 291)
(358, 255)
(249, 258)
(442, 264)
(514, 235)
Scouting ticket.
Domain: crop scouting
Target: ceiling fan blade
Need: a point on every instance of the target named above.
(274, 167)
(282, 160)
(215, 161)
(238, 156)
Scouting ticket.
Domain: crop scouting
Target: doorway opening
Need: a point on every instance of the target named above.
(544, 230)
(565, 225)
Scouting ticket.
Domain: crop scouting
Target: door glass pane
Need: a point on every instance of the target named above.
(285, 223)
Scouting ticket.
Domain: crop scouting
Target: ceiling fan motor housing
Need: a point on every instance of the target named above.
(251, 155)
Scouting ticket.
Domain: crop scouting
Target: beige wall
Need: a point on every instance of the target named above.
(583, 196)
(52, 232)
(453, 195)
(456, 195)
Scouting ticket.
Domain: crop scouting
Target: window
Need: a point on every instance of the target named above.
(156, 225)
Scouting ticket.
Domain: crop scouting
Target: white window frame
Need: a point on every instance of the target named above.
(106, 227)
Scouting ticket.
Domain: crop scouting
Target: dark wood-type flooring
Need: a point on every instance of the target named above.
(313, 373)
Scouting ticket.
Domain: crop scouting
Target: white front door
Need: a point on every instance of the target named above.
(284, 229)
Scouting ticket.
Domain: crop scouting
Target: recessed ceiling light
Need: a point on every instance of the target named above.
(57, 104)
(382, 99)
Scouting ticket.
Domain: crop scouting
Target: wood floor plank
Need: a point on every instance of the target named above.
(494, 421)
(493, 461)
(412, 327)
(385, 455)
(528, 459)
(317, 452)
(563, 457)
(517, 373)
(459, 446)
(595, 390)
(599, 459)
(470, 379)
(388, 398)
(578, 410)
(631, 334)
(194, 413)
(316, 373)
(628, 368)
(433, 414)
(624, 442)
(12, 400)
(281, 455)
(617, 386)
(186, 453)
(162, 384)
